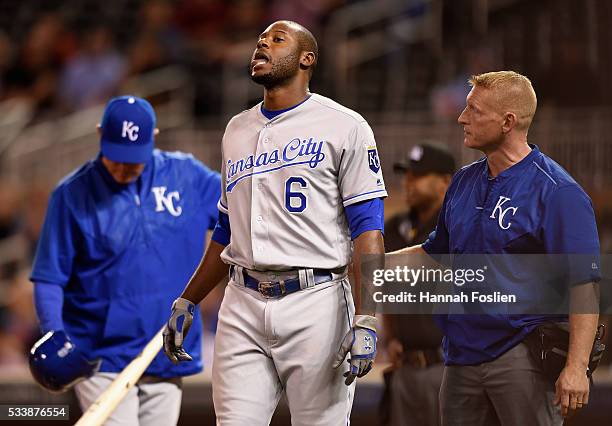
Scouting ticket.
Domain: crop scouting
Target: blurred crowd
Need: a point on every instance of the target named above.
(64, 61)
(21, 216)
(58, 64)
(68, 55)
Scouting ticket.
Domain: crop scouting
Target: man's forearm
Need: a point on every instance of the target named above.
(370, 244)
(584, 314)
(210, 271)
(582, 333)
(583, 324)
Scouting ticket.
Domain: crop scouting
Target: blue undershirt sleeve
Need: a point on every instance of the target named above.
(222, 232)
(368, 215)
(49, 300)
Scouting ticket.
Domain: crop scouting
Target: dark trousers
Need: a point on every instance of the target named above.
(509, 391)
(411, 396)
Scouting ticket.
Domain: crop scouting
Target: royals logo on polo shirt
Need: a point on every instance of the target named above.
(499, 212)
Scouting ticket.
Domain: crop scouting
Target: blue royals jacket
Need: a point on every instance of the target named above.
(122, 253)
(533, 207)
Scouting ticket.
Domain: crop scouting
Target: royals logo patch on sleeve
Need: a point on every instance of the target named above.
(373, 160)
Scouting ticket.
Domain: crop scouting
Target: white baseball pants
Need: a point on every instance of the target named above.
(150, 402)
(265, 347)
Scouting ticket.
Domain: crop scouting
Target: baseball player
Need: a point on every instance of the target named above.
(514, 200)
(120, 234)
(301, 180)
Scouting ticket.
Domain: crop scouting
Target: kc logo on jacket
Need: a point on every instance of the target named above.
(501, 212)
(165, 201)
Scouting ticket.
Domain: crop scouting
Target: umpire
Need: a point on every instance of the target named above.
(413, 342)
(427, 169)
(514, 200)
(121, 236)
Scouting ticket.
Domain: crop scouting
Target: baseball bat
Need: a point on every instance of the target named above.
(106, 403)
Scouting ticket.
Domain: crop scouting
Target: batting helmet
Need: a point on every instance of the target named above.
(57, 364)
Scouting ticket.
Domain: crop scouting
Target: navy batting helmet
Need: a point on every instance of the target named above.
(57, 364)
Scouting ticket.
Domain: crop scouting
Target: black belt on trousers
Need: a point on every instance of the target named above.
(282, 287)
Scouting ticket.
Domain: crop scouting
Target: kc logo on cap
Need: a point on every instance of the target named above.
(128, 128)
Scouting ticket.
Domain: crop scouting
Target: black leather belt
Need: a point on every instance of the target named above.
(282, 287)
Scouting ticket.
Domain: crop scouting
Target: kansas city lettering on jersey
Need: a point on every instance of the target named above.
(297, 151)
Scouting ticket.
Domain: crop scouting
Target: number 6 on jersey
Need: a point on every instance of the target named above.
(295, 202)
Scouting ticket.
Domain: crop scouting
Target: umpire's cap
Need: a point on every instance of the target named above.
(57, 364)
(128, 126)
(427, 158)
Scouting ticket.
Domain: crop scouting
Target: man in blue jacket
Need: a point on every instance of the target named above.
(121, 236)
(515, 200)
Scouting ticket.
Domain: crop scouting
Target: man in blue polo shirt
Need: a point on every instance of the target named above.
(121, 236)
(514, 200)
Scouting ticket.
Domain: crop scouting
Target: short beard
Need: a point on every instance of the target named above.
(282, 71)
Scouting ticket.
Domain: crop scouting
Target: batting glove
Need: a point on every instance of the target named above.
(176, 330)
(360, 342)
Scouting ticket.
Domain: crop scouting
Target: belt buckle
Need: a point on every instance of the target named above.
(264, 288)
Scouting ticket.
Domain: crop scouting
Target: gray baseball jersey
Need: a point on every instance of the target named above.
(287, 180)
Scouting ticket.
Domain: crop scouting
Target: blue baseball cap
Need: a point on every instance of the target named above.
(128, 125)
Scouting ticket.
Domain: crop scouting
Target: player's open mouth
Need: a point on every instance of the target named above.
(258, 62)
(259, 59)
